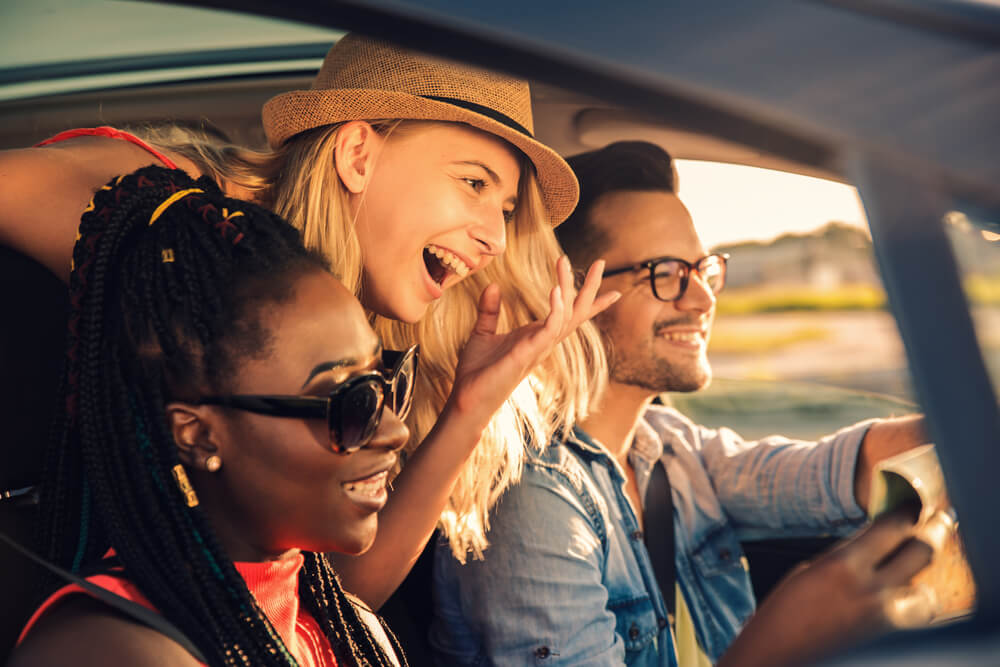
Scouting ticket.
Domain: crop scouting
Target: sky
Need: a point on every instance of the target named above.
(732, 203)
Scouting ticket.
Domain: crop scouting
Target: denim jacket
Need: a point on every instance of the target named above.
(567, 578)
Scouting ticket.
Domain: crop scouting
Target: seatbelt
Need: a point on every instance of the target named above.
(132, 609)
(659, 532)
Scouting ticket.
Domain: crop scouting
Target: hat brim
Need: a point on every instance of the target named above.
(287, 114)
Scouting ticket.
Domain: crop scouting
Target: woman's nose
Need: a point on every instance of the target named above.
(391, 433)
(490, 233)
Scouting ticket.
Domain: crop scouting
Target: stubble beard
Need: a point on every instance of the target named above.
(641, 366)
(659, 375)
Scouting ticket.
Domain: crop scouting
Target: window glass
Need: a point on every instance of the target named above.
(803, 342)
(976, 244)
(43, 32)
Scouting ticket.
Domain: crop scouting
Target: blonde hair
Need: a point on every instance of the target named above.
(299, 181)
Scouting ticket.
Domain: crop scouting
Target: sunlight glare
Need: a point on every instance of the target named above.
(732, 203)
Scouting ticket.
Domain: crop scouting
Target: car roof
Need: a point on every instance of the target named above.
(808, 81)
(770, 84)
(786, 83)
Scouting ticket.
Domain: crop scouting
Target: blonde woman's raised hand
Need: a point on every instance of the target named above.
(491, 365)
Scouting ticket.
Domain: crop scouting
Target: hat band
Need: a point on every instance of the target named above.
(483, 111)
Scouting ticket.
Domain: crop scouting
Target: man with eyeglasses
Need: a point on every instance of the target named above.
(579, 570)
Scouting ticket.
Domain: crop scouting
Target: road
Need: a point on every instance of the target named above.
(861, 350)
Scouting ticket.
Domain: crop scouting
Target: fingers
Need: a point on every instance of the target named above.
(554, 322)
(564, 273)
(603, 302)
(904, 563)
(588, 292)
(591, 282)
(587, 303)
(910, 607)
(917, 552)
(488, 316)
(881, 538)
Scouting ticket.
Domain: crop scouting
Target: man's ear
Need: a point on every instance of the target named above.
(194, 433)
(357, 147)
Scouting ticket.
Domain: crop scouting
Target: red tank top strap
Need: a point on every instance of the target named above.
(111, 132)
(117, 585)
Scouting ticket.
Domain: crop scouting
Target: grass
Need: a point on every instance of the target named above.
(748, 300)
(983, 290)
(800, 410)
(980, 290)
(736, 341)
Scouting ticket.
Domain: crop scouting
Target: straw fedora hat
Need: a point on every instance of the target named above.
(365, 79)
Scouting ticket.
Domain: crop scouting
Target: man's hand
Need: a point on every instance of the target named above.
(854, 591)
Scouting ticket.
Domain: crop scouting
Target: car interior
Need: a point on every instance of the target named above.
(717, 122)
(32, 347)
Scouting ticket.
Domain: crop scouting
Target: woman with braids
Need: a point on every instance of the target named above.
(230, 415)
(421, 182)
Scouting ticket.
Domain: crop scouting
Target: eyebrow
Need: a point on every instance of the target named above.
(340, 363)
(495, 177)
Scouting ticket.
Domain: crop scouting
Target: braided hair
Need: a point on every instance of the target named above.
(169, 278)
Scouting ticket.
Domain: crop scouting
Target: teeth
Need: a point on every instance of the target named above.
(450, 260)
(371, 486)
(683, 336)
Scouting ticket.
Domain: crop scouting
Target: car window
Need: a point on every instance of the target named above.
(58, 46)
(803, 342)
(976, 245)
(60, 31)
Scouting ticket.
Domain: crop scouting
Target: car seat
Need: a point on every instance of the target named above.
(33, 307)
(409, 610)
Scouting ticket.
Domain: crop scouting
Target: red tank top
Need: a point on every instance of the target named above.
(106, 131)
(274, 584)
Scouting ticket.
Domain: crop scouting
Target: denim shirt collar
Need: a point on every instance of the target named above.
(592, 449)
(581, 441)
(646, 449)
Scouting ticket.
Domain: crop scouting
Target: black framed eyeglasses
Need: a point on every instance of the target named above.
(353, 409)
(669, 276)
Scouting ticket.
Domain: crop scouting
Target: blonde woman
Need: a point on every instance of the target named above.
(420, 180)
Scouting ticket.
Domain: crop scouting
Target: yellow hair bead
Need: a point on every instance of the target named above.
(180, 194)
(184, 484)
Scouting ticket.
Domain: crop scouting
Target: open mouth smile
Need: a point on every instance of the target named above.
(369, 492)
(441, 263)
(690, 337)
